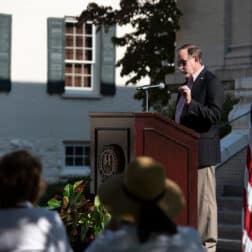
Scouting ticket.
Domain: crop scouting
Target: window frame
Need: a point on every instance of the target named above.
(104, 83)
(71, 171)
(94, 90)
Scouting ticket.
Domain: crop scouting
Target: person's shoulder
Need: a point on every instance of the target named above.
(190, 239)
(188, 232)
(43, 211)
(123, 239)
(209, 74)
(44, 214)
(210, 78)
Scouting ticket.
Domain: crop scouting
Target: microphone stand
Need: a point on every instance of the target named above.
(146, 89)
(146, 100)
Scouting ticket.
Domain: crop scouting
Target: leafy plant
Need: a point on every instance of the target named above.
(83, 217)
(57, 188)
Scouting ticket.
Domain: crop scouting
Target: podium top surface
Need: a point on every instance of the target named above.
(146, 115)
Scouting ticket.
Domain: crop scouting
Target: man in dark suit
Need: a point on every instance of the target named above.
(199, 108)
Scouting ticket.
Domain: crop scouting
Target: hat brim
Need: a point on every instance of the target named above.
(118, 203)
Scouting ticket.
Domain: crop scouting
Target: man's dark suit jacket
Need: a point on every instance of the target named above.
(202, 115)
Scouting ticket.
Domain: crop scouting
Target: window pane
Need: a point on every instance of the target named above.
(79, 161)
(88, 42)
(68, 68)
(79, 29)
(68, 81)
(69, 27)
(79, 41)
(87, 69)
(79, 54)
(79, 150)
(69, 41)
(87, 161)
(77, 81)
(87, 151)
(77, 68)
(69, 150)
(88, 29)
(69, 54)
(69, 161)
(87, 81)
(88, 54)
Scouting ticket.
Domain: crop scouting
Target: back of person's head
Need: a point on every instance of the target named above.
(141, 192)
(20, 178)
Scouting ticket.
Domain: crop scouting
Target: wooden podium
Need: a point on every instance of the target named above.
(117, 138)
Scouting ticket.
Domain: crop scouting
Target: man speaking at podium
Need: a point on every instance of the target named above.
(199, 105)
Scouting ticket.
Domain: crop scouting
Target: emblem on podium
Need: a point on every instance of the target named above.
(112, 161)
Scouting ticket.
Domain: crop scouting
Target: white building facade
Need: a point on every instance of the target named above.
(223, 31)
(53, 73)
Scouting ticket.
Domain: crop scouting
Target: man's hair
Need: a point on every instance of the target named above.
(192, 50)
(20, 175)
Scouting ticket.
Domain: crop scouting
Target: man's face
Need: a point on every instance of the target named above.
(186, 63)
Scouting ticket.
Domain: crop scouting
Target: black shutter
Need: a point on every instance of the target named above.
(251, 115)
(56, 46)
(5, 52)
(108, 61)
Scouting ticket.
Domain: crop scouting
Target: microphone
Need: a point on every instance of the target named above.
(146, 87)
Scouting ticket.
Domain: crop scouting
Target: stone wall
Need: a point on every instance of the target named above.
(47, 149)
(231, 172)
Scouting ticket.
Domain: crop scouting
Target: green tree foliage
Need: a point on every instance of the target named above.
(149, 47)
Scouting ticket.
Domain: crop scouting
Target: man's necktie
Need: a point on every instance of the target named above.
(181, 102)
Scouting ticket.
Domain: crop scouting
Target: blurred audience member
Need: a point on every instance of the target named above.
(24, 227)
(143, 203)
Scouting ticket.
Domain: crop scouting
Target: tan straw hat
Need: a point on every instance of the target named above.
(143, 180)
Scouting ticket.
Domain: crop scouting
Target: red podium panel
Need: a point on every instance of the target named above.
(117, 138)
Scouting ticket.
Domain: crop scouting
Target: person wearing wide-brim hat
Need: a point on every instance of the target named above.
(143, 203)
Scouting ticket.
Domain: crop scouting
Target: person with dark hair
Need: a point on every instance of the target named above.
(199, 106)
(24, 227)
(143, 204)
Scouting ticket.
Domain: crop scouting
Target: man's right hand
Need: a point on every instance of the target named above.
(186, 92)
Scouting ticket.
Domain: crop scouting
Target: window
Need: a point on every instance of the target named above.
(76, 159)
(81, 59)
(79, 54)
